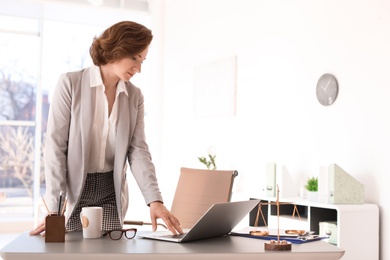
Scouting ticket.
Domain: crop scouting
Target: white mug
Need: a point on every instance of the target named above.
(91, 220)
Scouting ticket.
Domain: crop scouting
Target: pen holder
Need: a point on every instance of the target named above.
(55, 228)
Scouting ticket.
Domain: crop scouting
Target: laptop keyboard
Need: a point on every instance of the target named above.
(175, 236)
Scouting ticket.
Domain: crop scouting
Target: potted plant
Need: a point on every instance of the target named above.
(210, 161)
(312, 188)
(210, 164)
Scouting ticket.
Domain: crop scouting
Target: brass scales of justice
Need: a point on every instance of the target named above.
(275, 245)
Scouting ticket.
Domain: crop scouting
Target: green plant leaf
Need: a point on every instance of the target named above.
(312, 184)
(208, 163)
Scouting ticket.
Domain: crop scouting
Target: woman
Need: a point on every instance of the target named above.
(95, 125)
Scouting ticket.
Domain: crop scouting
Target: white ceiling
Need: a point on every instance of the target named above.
(139, 5)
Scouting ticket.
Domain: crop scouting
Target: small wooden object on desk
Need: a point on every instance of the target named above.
(273, 245)
(277, 245)
(55, 223)
(55, 228)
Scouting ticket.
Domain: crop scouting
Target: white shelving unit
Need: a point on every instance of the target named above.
(357, 225)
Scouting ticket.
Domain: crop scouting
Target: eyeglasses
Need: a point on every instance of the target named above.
(117, 234)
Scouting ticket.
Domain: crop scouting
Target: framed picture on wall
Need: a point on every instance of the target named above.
(215, 88)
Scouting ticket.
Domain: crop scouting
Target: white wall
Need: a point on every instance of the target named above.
(282, 48)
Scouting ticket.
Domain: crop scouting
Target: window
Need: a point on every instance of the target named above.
(34, 52)
(19, 49)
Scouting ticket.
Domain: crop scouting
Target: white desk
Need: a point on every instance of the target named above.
(229, 247)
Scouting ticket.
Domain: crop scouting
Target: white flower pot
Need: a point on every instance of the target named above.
(312, 196)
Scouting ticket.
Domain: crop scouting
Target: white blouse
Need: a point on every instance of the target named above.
(104, 127)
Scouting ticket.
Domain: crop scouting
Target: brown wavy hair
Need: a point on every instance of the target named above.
(121, 40)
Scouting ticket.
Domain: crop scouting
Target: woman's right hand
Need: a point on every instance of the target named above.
(39, 229)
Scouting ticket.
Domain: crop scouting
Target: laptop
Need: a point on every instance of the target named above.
(219, 220)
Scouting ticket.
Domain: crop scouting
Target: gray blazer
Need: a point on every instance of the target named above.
(67, 143)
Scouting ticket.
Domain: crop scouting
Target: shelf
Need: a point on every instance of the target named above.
(288, 209)
(289, 217)
(344, 218)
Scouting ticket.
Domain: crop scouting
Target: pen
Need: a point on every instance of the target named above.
(59, 204)
(64, 206)
(48, 212)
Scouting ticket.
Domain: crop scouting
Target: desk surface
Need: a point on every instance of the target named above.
(228, 247)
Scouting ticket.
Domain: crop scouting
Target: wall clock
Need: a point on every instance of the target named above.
(327, 89)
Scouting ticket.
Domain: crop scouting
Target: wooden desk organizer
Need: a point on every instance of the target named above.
(55, 228)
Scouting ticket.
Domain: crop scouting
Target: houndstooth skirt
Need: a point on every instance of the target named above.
(98, 191)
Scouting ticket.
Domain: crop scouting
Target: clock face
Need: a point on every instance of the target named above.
(327, 89)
